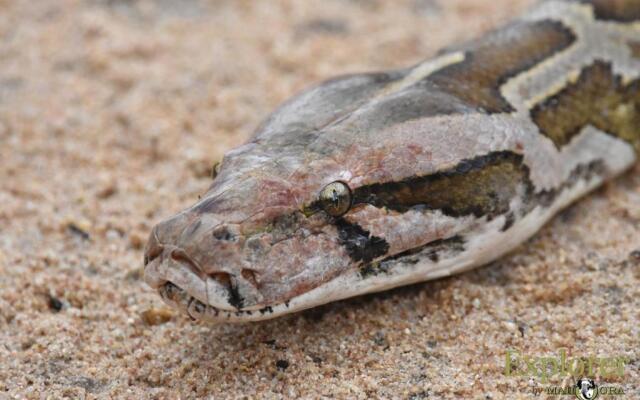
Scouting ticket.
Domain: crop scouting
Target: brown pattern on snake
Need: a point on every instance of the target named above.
(598, 98)
(518, 178)
(501, 55)
(615, 10)
(483, 186)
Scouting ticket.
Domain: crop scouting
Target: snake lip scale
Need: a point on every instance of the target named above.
(371, 181)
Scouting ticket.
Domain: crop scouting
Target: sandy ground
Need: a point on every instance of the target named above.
(111, 114)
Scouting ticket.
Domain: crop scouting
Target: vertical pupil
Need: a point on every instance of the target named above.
(335, 197)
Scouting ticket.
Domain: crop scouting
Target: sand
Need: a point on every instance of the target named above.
(111, 115)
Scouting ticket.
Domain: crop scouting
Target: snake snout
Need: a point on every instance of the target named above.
(166, 233)
(197, 264)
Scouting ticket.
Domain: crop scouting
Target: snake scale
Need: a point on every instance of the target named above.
(372, 181)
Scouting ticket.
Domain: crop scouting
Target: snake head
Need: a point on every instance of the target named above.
(254, 241)
(266, 238)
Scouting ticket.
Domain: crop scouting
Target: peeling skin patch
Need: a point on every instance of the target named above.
(597, 98)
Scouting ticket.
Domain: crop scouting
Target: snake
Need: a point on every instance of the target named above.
(372, 181)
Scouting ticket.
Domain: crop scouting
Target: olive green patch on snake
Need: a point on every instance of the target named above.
(598, 98)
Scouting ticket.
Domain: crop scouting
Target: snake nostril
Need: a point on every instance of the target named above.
(183, 258)
(152, 255)
(222, 278)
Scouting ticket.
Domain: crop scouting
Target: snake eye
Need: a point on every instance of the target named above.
(335, 198)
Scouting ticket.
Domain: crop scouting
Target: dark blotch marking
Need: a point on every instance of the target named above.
(266, 309)
(598, 98)
(615, 10)
(234, 297)
(434, 250)
(360, 244)
(500, 55)
(509, 221)
(482, 186)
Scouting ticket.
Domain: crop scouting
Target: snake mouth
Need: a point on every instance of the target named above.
(182, 284)
(174, 296)
(177, 297)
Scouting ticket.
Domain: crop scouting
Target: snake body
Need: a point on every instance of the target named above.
(372, 181)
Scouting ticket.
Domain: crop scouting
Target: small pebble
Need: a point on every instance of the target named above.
(112, 235)
(282, 365)
(55, 304)
(75, 229)
(156, 316)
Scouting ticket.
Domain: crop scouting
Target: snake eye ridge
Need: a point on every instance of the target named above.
(335, 198)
